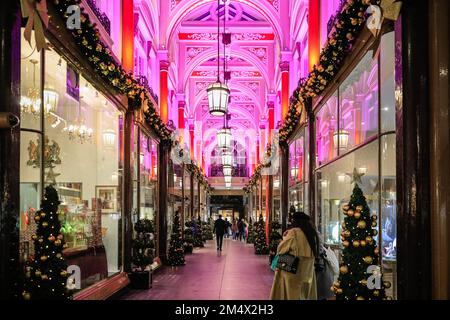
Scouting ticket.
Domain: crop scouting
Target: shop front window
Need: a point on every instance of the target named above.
(81, 137)
(388, 225)
(148, 170)
(327, 135)
(358, 104)
(334, 185)
(298, 172)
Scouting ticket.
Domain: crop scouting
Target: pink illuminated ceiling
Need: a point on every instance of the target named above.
(251, 58)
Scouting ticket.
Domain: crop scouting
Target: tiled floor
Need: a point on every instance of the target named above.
(237, 274)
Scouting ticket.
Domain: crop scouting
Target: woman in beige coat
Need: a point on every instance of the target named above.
(300, 241)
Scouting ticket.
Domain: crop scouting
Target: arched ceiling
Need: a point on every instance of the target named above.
(252, 59)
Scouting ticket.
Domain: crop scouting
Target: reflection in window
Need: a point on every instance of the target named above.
(358, 106)
(326, 131)
(334, 188)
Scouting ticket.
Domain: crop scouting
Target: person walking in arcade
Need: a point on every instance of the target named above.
(220, 227)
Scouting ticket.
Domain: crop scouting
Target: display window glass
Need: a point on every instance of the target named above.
(388, 224)
(327, 134)
(148, 162)
(81, 136)
(334, 186)
(175, 196)
(276, 193)
(358, 104)
(387, 82)
(187, 195)
(298, 172)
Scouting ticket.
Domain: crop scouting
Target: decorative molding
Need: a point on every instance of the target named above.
(259, 52)
(192, 52)
(211, 36)
(234, 74)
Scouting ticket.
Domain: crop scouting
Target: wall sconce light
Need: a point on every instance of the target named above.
(109, 138)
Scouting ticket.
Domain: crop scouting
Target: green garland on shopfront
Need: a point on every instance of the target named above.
(98, 54)
(348, 24)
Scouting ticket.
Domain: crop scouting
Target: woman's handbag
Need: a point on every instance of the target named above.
(287, 262)
(274, 264)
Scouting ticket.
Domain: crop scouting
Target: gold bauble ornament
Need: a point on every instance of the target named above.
(368, 259)
(51, 238)
(376, 293)
(387, 284)
(343, 269)
(43, 214)
(37, 218)
(58, 255)
(43, 258)
(34, 237)
(362, 224)
(339, 291)
(337, 284)
(350, 212)
(374, 224)
(37, 273)
(28, 274)
(44, 277)
(356, 243)
(375, 232)
(359, 208)
(347, 233)
(363, 243)
(44, 224)
(376, 251)
(363, 282)
(345, 243)
(57, 242)
(360, 298)
(374, 217)
(26, 295)
(357, 215)
(345, 207)
(369, 239)
(63, 273)
(41, 240)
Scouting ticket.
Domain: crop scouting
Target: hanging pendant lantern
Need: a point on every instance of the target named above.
(227, 171)
(218, 94)
(227, 158)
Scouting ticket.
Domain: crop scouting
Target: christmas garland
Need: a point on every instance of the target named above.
(347, 26)
(99, 55)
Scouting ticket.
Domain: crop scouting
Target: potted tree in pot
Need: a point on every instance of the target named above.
(188, 238)
(143, 254)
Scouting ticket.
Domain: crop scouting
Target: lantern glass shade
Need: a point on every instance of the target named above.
(227, 159)
(227, 179)
(109, 138)
(340, 139)
(294, 172)
(218, 94)
(224, 138)
(227, 171)
(50, 100)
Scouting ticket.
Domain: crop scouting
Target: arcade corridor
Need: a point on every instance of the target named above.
(237, 274)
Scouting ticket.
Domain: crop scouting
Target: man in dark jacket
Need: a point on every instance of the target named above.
(219, 229)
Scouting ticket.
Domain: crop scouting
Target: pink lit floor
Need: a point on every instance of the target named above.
(237, 274)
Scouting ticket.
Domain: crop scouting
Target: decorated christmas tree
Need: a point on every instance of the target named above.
(360, 277)
(207, 230)
(46, 272)
(176, 248)
(143, 244)
(251, 234)
(198, 234)
(275, 238)
(260, 237)
(188, 238)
